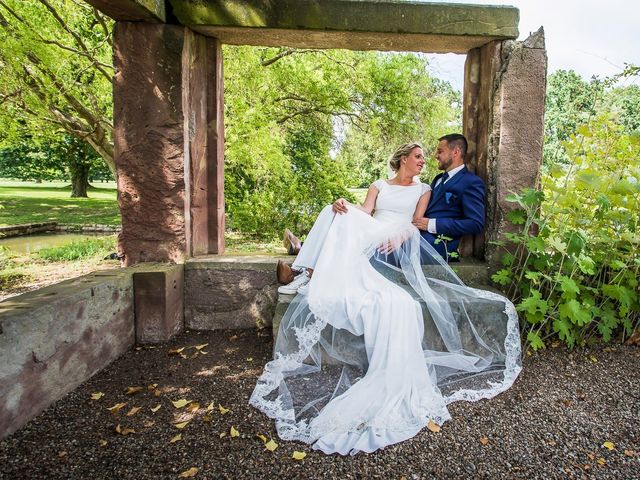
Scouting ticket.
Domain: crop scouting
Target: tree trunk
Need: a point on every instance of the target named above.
(79, 180)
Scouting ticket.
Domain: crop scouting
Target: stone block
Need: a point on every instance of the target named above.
(229, 291)
(132, 10)
(55, 338)
(159, 302)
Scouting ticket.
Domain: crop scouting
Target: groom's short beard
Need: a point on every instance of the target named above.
(445, 165)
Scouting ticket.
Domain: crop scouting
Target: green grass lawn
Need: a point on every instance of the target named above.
(30, 202)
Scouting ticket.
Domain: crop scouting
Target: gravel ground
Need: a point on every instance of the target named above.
(553, 423)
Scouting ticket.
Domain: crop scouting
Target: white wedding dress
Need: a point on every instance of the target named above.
(376, 349)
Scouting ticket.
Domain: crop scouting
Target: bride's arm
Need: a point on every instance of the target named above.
(421, 207)
(340, 205)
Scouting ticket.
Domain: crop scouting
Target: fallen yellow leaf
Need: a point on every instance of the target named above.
(593, 359)
(157, 393)
(153, 386)
(262, 437)
(62, 454)
(484, 440)
(133, 411)
(222, 409)
(176, 438)
(103, 443)
(207, 417)
(97, 396)
(116, 408)
(249, 359)
(233, 432)
(181, 425)
(134, 390)
(200, 347)
(629, 453)
(180, 403)
(210, 407)
(223, 434)
(601, 461)
(189, 473)
(124, 431)
(433, 426)
(202, 352)
(193, 407)
(298, 455)
(609, 445)
(156, 408)
(175, 351)
(271, 445)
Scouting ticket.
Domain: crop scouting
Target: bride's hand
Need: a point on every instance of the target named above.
(340, 206)
(386, 248)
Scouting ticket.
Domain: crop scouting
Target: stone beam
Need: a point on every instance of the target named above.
(132, 10)
(350, 24)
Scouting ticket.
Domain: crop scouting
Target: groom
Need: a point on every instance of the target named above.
(456, 207)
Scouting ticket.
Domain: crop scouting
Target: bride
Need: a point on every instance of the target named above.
(371, 350)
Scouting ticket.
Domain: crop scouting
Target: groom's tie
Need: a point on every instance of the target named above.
(443, 179)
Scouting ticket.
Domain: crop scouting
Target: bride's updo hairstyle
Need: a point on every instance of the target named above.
(403, 151)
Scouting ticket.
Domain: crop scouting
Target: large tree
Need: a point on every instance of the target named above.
(56, 69)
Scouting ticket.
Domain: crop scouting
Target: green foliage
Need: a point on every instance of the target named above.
(573, 264)
(77, 250)
(302, 125)
(56, 71)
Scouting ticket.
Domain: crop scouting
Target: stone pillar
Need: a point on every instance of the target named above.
(516, 136)
(479, 72)
(505, 87)
(168, 142)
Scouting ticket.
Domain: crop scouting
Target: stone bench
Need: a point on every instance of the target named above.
(472, 272)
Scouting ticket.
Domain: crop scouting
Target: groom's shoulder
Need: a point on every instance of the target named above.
(472, 177)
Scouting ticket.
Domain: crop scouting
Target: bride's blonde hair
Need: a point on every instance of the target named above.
(403, 151)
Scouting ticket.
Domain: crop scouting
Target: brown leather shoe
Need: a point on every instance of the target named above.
(284, 273)
(291, 242)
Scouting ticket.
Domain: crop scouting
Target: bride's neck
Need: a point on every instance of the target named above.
(403, 178)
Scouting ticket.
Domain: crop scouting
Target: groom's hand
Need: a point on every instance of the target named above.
(340, 206)
(421, 223)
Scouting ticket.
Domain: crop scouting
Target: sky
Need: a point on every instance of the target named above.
(592, 37)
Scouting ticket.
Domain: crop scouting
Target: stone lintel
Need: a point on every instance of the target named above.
(352, 24)
(159, 302)
(132, 10)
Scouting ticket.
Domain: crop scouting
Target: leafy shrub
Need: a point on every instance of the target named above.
(79, 249)
(572, 265)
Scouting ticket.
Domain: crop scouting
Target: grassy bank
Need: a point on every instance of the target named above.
(22, 272)
(30, 202)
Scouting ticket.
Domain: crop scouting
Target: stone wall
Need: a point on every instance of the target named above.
(53, 339)
(230, 292)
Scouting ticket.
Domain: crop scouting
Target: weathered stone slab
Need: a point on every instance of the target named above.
(159, 302)
(55, 338)
(132, 10)
(351, 24)
(230, 292)
(516, 134)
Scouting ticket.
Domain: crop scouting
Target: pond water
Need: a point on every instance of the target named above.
(33, 243)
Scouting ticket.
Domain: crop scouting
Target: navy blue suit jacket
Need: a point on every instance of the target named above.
(458, 207)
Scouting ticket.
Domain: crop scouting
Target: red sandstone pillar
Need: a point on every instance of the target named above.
(168, 134)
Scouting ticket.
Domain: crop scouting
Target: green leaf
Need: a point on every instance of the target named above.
(624, 295)
(502, 277)
(535, 244)
(533, 303)
(569, 287)
(586, 265)
(517, 217)
(535, 341)
(563, 328)
(573, 311)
